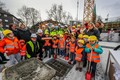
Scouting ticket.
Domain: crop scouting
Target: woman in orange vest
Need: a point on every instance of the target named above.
(10, 46)
(22, 49)
(55, 46)
(93, 50)
(61, 45)
(72, 50)
(79, 51)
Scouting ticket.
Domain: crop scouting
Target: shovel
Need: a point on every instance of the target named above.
(88, 75)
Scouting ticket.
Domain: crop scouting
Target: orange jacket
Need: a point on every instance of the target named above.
(55, 43)
(78, 54)
(23, 50)
(12, 46)
(72, 47)
(95, 56)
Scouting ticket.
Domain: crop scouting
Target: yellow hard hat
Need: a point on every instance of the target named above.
(81, 41)
(46, 33)
(78, 25)
(92, 38)
(6, 32)
(80, 36)
(61, 35)
(85, 36)
(73, 27)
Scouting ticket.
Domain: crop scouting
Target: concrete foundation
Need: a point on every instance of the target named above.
(31, 69)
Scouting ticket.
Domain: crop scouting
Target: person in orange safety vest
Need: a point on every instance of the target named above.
(10, 46)
(93, 50)
(22, 49)
(47, 45)
(55, 41)
(72, 50)
(79, 51)
(61, 46)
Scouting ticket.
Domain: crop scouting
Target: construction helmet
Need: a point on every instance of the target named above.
(80, 36)
(39, 31)
(78, 25)
(81, 41)
(92, 38)
(61, 35)
(85, 36)
(73, 27)
(33, 35)
(46, 33)
(6, 32)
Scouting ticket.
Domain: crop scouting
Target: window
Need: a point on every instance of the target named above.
(5, 15)
(6, 20)
(7, 25)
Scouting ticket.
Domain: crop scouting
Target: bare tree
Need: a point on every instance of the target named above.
(29, 15)
(58, 14)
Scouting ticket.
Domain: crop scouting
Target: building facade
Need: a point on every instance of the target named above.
(8, 18)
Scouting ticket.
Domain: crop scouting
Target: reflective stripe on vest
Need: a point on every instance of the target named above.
(32, 47)
(95, 56)
(11, 45)
(78, 54)
(55, 42)
(47, 43)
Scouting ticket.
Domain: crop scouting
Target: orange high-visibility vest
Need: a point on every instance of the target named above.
(95, 56)
(55, 42)
(12, 46)
(23, 50)
(78, 54)
(47, 43)
(72, 47)
(61, 43)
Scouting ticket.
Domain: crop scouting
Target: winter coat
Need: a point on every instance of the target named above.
(93, 32)
(24, 34)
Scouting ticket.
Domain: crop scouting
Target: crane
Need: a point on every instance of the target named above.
(88, 15)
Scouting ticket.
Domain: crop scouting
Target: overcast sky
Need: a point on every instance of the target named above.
(103, 7)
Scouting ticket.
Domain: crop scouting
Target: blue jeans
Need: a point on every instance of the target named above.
(72, 56)
(61, 52)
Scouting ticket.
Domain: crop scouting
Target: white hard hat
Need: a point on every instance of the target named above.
(33, 35)
(39, 31)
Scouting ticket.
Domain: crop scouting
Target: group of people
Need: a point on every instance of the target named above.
(77, 44)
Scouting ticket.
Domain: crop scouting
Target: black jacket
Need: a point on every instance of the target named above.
(24, 34)
(94, 32)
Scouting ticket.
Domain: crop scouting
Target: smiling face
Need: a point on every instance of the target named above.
(33, 39)
(90, 26)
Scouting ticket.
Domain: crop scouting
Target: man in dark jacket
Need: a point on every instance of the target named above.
(33, 47)
(24, 33)
(39, 39)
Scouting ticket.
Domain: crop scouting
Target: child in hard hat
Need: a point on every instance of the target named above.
(47, 45)
(67, 49)
(79, 51)
(55, 41)
(33, 47)
(80, 37)
(22, 49)
(10, 46)
(93, 50)
(61, 45)
(85, 38)
(72, 50)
